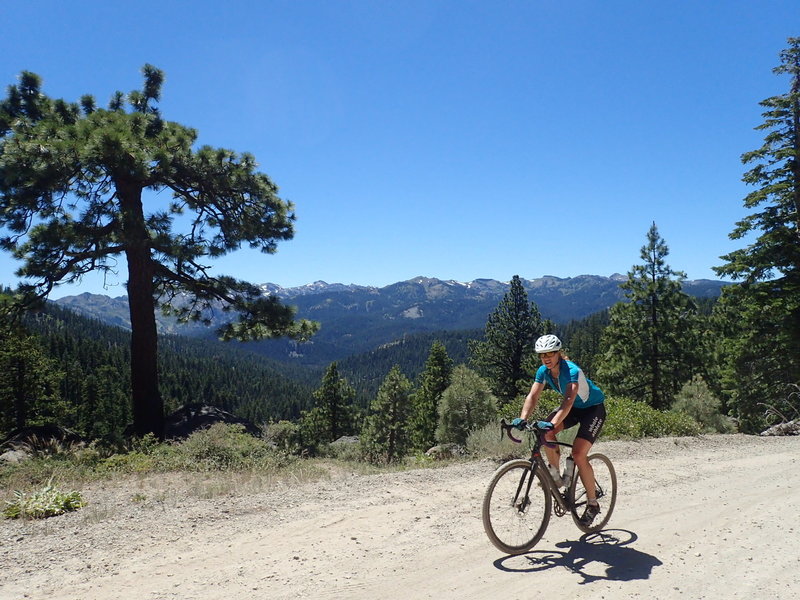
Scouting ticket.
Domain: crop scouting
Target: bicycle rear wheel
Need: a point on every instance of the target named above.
(516, 507)
(605, 481)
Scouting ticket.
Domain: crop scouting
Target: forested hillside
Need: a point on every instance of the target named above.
(89, 362)
(366, 371)
(358, 319)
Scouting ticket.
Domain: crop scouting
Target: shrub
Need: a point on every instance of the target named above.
(284, 435)
(47, 502)
(630, 419)
(696, 400)
(467, 404)
(224, 446)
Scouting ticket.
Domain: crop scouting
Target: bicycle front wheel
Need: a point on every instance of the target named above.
(516, 507)
(605, 483)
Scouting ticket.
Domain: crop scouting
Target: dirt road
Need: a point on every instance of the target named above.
(711, 517)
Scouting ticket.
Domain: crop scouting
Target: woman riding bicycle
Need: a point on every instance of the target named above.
(583, 404)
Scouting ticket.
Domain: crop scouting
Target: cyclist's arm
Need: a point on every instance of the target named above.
(531, 400)
(566, 404)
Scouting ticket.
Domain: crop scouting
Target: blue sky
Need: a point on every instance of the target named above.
(456, 139)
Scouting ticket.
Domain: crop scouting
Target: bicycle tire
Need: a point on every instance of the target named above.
(606, 488)
(515, 526)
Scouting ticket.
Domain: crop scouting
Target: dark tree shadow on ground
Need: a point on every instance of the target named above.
(602, 556)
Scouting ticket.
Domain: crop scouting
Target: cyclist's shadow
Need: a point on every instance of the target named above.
(587, 556)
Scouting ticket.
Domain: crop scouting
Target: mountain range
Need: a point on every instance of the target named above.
(357, 319)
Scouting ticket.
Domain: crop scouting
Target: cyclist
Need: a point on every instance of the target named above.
(583, 404)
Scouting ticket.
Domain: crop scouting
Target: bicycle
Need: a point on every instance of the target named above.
(516, 513)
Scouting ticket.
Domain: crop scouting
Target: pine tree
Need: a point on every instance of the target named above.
(467, 404)
(332, 415)
(29, 379)
(584, 340)
(74, 183)
(653, 343)
(762, 354)
(385, 436)
(425, 401)
(505, 357)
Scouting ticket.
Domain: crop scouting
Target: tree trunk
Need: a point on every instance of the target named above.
(148, 406)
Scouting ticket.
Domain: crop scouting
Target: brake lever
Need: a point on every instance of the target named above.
(507, 428)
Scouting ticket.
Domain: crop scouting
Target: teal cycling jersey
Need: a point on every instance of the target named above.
(568, 372)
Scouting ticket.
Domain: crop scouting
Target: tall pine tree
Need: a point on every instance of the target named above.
(332, 415)
(74, 183)
(505, 357)
(425, 401)
(385, 436)
(762, 351)
(653, 344)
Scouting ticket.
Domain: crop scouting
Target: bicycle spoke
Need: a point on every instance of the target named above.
(605, 479)
(516, 508)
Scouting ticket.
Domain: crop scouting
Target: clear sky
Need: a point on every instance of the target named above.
(457, 139)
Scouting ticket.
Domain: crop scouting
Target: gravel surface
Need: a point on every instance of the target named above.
(706, 517)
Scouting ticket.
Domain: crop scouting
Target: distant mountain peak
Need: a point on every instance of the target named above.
(357, 318)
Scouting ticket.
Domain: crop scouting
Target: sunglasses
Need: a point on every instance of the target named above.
(548, 354)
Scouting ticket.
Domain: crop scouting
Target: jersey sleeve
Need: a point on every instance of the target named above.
(574, 372)
(539, 378)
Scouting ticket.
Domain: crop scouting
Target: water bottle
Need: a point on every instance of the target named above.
(554, 473)
(568, 472)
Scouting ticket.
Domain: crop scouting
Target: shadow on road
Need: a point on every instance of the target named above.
(602, 556)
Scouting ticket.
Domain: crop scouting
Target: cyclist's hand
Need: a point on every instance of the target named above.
(519, 423)
(544, 425)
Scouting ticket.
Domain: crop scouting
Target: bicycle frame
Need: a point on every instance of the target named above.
(538, 460)
(538, 463)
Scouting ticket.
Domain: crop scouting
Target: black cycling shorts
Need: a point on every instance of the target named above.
(591, 421)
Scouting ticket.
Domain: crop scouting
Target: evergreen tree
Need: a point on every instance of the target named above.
(762, 354)
(73, 197)
(505, 357)
(385, 436)
(29, 379)
(425, 401)
(653, 343)
(333, 413)
(467, 404)
(584, 340)
(104, 409)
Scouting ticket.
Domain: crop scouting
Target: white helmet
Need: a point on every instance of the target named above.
(548, 343)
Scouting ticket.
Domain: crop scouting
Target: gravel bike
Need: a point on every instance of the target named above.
(516, 511)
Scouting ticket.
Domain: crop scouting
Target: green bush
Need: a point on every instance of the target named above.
(222, 447)
(285, 436)
(467, 404)
(697, 400)
(626, 419)
(47, 502)
(630, 419)
(343, 450)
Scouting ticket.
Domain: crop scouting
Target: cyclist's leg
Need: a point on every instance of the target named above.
(580, 452)
(591, 423)
(554, 454)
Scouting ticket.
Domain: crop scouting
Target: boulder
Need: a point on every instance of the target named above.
(445, 451)
(14, 457)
